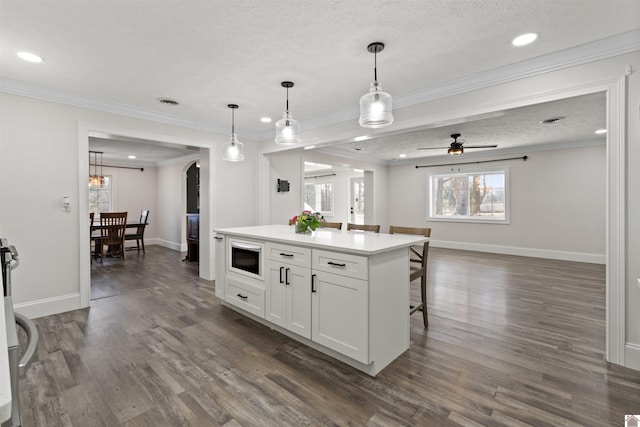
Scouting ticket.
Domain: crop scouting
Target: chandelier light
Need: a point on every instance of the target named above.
(376, 106)
(287, 128)
(95, 180)
(234, 151)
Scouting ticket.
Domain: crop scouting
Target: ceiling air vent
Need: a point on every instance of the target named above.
(552, 120)
(169, 101)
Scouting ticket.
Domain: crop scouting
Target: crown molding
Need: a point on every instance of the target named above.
(595, 51)
(590, 52)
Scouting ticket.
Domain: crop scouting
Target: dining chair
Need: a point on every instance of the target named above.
(138, 236)
(417, 267)
(363, 227)
(112, 229)
(325, 224)
(92, 239)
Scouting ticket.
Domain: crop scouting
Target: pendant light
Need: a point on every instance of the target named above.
(95, 180)
(234, 152)
(287, 128)
(376, 106)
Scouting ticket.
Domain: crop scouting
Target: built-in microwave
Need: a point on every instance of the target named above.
(246, 258)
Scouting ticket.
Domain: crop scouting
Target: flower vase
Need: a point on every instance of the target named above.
(302, 228)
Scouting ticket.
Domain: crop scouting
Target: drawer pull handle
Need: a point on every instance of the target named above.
(313, 283)
(218, 238)
(286, 276)
(243, 297)
(336, 264)
(287, 255)
(281, 269)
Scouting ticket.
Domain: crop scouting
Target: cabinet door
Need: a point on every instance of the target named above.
(221, 254)
(339, 314)
(298, 286)
(276, 306)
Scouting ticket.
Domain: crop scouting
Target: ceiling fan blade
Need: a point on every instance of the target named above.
(480, 146)
(433, 148)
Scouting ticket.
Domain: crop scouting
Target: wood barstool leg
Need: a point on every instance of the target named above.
(423, 289)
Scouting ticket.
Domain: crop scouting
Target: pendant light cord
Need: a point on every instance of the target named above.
(375, 67)
(233, 122)
(287, 100)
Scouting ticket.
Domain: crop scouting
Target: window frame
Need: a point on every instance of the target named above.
(467, 218)
(321, 181)
(111, 198)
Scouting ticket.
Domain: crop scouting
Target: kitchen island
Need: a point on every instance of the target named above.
(344, 293)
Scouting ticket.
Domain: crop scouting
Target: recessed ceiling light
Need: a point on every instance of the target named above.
(361, 138)
(309, 147)
(31, 57)
(131, 157)
(402, 156)
(168, 101)
(524, 39)
(358, 170)
(551, 120)
(265, 119)
(601, 131)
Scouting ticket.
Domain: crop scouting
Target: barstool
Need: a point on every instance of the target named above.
(418, 267)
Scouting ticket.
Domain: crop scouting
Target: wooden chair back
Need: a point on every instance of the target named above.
(337, 225)
(418, 266)
(138, 236)
(363, 227)
(91, 217)
(112, 230)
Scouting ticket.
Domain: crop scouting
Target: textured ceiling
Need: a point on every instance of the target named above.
(208, 53)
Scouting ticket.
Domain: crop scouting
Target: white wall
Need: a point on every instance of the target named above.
(133, 191)
(39, 155)
(289, 165)
(171, 201)
(557, 206)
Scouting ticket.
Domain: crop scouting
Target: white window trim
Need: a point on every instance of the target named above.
(329, 179)
(471, 219)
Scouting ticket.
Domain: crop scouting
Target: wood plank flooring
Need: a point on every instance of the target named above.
(512, 341)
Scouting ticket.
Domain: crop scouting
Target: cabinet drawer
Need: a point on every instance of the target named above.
(293, 255)
(245, 296)
(342, 264)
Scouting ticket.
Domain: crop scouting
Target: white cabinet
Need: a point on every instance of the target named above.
(245, 295)
(288, 288)
(221, 271)
(339, 304)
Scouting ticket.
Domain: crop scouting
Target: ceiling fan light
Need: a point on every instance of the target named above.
(234, 150)
(455, 151)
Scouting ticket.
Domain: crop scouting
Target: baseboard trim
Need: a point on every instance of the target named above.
(632, 356)
(514, 250)
(49, 306)
(171, 245)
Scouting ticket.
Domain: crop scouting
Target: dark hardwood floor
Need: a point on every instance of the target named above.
(511, 341)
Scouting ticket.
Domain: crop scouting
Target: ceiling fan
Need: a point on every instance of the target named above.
(456, 147)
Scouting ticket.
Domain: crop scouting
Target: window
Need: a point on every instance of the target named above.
(100, 199)
(471, 197)
(318, 197)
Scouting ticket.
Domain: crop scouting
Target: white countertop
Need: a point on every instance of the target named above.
(5, 383)
(355, 242)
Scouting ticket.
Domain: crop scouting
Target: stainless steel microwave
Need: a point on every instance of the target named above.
(246, 258)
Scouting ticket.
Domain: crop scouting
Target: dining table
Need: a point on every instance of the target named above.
(95, 234)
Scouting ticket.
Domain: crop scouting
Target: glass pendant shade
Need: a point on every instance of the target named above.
(234, 150)
(376, 108)
(287, 130)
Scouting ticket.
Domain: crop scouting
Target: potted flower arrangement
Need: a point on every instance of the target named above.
(307, 221)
